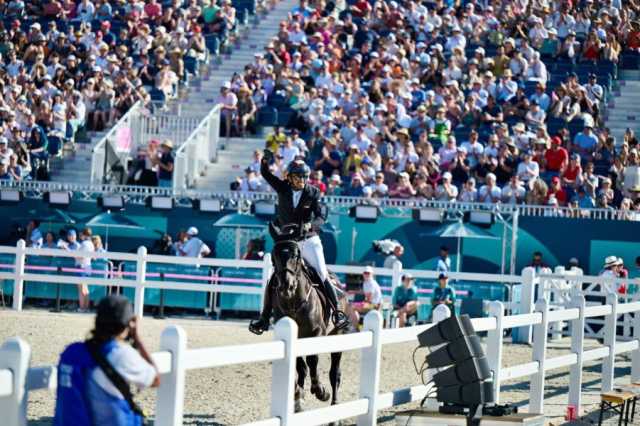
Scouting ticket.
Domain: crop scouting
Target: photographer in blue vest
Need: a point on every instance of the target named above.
(94, 376)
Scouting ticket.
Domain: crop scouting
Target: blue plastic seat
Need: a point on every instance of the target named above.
(267, 116)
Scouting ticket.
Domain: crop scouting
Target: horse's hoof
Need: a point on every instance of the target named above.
(321, 393)
(297, 407)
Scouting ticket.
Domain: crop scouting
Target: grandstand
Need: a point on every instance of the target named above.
(505, 129)
(347, 75)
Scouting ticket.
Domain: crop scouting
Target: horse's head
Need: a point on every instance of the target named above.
(288, 266)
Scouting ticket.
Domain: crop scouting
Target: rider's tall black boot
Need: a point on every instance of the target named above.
(261, 325)
(340, 320)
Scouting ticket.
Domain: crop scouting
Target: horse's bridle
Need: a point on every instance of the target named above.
(297, 258)
(295, 272)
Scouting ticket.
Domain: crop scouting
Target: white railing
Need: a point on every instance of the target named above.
(199, 149)
(175, 359)
(120, 139)
(167, 126)
(136, 128)
(21, 272)
(35, 189)
(527, 282)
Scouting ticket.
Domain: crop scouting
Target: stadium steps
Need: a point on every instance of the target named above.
(230, 164)
(623, 109)
(204, 89)
(75, 167)
(197, 100)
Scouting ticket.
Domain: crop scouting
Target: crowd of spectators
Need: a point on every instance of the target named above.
(71, 66)
(492, 102)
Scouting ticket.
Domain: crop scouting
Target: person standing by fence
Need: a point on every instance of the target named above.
(84, 263)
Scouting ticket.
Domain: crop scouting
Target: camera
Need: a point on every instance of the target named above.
(385, 246)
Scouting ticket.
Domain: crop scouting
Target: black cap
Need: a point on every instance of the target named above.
(444, 248)
(443, 275)
(114, 311)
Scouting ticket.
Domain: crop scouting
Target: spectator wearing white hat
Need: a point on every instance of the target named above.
(5, 151)
(194, 247)
(446, 191)
(372, 296)
(490, 192)
(229, 106)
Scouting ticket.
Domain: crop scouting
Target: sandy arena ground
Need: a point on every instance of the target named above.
(239, 394)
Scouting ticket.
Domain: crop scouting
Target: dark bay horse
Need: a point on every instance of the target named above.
(296, 296)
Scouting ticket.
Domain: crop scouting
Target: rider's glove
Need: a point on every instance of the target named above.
(267, 155)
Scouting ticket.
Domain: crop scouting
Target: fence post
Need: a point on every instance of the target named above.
(170, 399)
(370, 369)
(635, 355)
(577, 346)
(267, 270)
(283, 372)
(536, 397)
(556, 297)
(610, 328)
(15, 355)
(494, 346)
(141, 274)
(396, 277)
(523, 334)
(18, 280)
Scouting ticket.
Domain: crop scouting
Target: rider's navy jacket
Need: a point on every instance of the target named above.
(308, 209)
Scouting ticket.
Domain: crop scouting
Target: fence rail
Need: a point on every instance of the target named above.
(175, 359)
(402, 207)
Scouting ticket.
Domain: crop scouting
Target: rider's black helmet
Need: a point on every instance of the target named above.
(298, 167)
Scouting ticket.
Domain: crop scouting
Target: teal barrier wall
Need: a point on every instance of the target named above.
(558, 239)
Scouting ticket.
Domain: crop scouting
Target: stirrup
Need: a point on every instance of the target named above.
(340, 320)
(259, 326)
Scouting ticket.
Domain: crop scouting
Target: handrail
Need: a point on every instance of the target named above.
(199, 149)
(98, 158)
(35, 189)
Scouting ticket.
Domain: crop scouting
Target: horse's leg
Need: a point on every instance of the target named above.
(334, 376)
(316, 387)
(301, 370)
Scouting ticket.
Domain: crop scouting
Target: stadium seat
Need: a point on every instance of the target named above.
(267, 116)
(285, 115)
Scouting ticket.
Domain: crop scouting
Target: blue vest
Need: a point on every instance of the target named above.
(82, 402)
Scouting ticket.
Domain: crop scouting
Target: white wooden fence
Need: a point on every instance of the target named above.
(175, 359)
(557, 288)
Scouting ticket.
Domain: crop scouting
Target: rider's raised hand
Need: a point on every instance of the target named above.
(267, 156)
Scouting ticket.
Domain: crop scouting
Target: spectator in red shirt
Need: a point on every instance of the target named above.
(153, 10)
(361, 8)
(633, 39)
(556, 158)
(557, 191)
(315, 179)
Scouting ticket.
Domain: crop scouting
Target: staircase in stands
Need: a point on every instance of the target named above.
(623, 110)
(197, 100)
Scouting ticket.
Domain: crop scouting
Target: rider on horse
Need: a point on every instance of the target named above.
(299, 205)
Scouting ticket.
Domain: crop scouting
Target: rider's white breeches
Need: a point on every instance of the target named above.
(312, 252)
